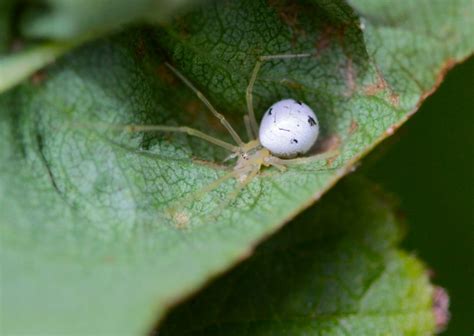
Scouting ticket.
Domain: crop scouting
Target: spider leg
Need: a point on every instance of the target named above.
(248, 128)
(183, 129)
(232, 196)
(206, 102)
(280, 167)
(194, 196)
(253, 78)
(164, 128)
(303, 160)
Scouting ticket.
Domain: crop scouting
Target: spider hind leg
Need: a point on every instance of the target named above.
(249, 91)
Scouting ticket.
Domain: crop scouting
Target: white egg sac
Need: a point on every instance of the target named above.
(288, 128)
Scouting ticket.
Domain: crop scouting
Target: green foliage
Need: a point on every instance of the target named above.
(345, 274)
(68, 24)
(65, 19)
(87, 243)
(440, 200)
(19, 66)
(421, 41)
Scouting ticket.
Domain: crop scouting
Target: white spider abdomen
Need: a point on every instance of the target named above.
(288, 128)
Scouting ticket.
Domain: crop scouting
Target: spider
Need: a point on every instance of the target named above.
(289, 128)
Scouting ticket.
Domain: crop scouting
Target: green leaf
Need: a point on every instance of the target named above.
(401, 169)
(14, 68)
(69, 24)
(335, 270)
(87, 243)
(415, 43)
(64, 19)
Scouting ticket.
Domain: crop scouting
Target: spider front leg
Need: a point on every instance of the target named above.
(172, 129)
(206, 102)
(248, 128)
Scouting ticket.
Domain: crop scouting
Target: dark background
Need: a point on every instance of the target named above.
(429, 166)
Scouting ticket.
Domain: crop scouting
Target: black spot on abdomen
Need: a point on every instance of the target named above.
(311, 121)
(293, 141)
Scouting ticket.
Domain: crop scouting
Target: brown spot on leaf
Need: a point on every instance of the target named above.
(166, 75)
(331, 160)
(38, 77)
(288, 13)
(193, 107)
(181, 220)
(329, 143)
(196, 110)
(381, 85)
(394, 99)
(323, 42)
(329, 35)
(353, 127)
(378, 86)
(350, 76)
